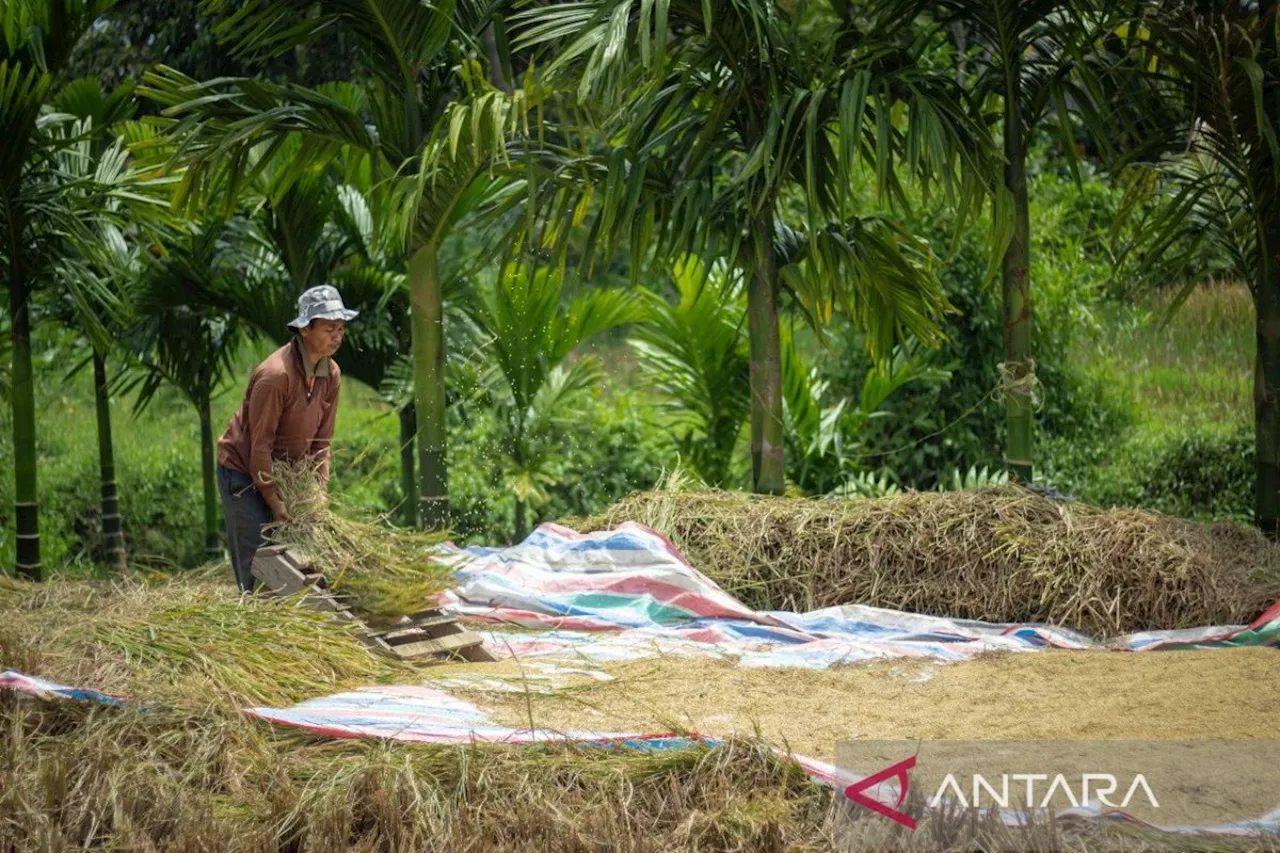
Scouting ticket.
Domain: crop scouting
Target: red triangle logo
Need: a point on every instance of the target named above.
(899, 770)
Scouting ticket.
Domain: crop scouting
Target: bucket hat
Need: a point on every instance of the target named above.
(321, 303)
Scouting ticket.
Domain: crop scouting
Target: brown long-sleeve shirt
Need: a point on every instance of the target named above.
(282, 418)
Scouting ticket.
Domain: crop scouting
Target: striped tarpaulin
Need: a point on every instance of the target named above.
(625, 591)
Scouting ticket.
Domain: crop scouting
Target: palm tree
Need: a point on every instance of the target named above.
(189, 348)
(528, 338)
(694, 354)
(1036, 59)
(730, 113)
(90, 151)
(1218, 71)
(426, 120)
(35, 215)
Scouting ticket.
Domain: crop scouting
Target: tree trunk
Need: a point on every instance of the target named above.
(1266, 387)
(766, 363)
(26, 511)
(518, 456)
(408, 428)
(212, 539)
(111, 527)
(522, 522)
(961, 35)
(498, 72)
(427, 324)
(1019, 404)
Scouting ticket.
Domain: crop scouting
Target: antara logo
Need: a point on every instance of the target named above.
(1103, 784)
(899, 770)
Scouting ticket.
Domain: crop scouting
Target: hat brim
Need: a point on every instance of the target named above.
(346, 314)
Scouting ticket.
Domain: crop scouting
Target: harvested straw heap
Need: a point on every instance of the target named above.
(389, 571)
(178, 767)
(186, 642)
(1003, 554)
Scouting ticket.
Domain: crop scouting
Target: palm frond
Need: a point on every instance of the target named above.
(693, 354)
(228, 131)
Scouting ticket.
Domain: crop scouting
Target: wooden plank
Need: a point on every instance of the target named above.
(280, 577)
(375, 644)
(477, 654)
(320, 601)
(441, 645)
(423, 627)
(298, 558)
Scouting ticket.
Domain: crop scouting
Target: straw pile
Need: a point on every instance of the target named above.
(1003, 554)
(180, 768)
(123, 780)
(389, 571)
(181, 642)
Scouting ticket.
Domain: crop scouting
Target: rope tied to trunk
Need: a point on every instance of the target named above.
(1027, 385)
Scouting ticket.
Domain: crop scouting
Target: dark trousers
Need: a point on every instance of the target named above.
(245, 512)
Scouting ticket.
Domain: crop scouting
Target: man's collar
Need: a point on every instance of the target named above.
(321, 369)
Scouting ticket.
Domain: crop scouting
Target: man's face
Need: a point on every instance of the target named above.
(323, 337)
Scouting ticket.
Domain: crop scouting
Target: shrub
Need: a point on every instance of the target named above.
(1179, 470)
(612, 450)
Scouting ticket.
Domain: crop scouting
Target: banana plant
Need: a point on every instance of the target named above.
(538, 390)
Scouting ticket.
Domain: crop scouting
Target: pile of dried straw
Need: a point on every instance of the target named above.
(187, 642)
(180, 768)
(1002, 554)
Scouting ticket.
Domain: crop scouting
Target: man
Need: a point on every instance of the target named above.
(287, 414)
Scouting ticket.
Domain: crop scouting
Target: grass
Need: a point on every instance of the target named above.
(1176, 431)
(1196, 369)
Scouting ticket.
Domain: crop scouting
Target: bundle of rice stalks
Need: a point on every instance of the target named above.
(390, 571)
(189, 643)
(1002, 554)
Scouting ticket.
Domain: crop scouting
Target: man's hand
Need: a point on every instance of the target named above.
(280, 514)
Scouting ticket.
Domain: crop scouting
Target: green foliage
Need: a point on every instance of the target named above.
(158, 474)
(137, 34)
(693, 353)
(972, 479)
(932, 428)
(1188, 471)
(532, 384)
(824, 431)
(609, 450)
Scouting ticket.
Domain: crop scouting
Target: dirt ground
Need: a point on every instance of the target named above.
(1225, 694)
